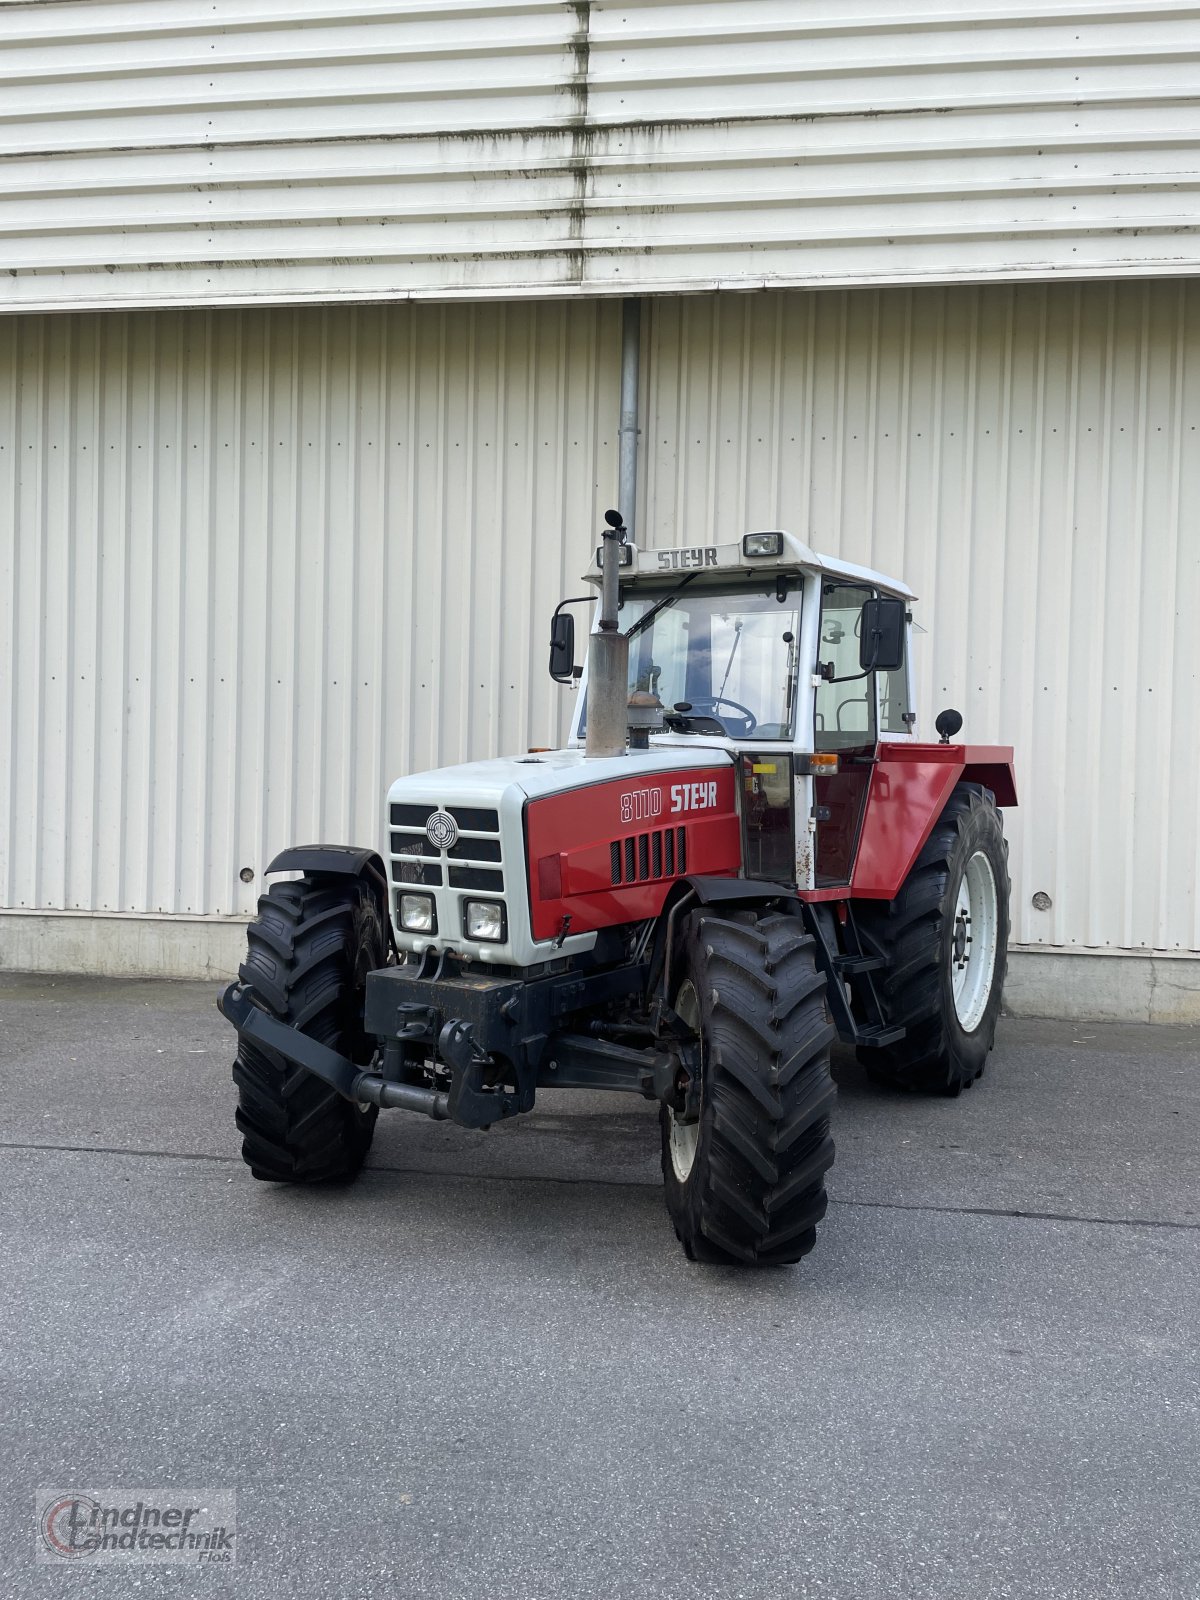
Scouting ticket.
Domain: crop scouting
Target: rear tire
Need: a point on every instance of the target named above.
(309, 951)
(946, 938)
(745, 1184)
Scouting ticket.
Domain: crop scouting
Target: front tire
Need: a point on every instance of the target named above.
(945, 936)
(309, 951)
(746, 1182)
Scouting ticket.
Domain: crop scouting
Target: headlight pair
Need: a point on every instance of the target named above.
(483, 920)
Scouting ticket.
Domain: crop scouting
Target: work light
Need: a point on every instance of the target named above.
(624, 555)
(762, 544)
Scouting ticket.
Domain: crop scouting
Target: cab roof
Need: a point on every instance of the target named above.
(731, 558)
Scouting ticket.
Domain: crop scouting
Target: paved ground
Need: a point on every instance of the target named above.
(486, 1370)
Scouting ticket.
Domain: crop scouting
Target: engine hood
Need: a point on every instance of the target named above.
(475, 847)
(486, 782)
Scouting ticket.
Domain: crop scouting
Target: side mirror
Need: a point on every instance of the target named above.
(881, 636)
(562, 648)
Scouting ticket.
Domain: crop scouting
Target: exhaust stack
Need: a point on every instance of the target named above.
(608, 655)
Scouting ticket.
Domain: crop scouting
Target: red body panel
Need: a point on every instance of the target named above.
(910, 784)
(569, 838)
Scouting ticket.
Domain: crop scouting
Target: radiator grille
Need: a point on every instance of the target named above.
(474, 861)
(645, 856)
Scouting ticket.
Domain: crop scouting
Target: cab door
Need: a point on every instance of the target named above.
(844, 723)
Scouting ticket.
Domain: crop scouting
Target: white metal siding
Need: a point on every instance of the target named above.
(159, 152)
(1028, 460)
(255, 565)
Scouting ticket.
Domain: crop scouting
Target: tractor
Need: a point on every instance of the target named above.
(742, 854)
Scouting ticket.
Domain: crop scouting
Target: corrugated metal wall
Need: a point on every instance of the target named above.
(170, 152)
(1028, 459)
(254, 565)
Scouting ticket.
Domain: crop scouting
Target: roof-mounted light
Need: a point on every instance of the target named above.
(762, 544)
(624, 559)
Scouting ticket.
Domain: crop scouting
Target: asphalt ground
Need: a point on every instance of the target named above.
(487, 1370)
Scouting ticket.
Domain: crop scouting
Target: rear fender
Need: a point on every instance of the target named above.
(910, 785)
(998, 776)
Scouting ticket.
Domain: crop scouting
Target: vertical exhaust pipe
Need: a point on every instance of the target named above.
(608, 654)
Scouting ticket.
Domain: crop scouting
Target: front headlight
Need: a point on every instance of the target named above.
(417, 913)
(484, 920)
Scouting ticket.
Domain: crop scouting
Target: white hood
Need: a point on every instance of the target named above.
(486, 801)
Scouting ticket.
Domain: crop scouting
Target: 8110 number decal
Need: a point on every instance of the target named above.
(643, 805)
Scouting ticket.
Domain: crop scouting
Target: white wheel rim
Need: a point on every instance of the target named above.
(973, 942)
(684, 1137)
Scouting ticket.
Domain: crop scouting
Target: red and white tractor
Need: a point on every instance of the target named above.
(743, 853)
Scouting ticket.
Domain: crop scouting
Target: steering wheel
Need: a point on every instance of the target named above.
(746, 717)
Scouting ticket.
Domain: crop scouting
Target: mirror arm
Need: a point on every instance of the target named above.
(854, 677)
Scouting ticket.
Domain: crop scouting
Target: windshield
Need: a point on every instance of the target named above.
(728, 655)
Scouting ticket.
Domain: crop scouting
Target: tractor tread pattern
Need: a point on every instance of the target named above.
(769, 1092)
(909, 930)
(299, 966)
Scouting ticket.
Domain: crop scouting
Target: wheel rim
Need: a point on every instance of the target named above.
(683, 1138)
(973, 942)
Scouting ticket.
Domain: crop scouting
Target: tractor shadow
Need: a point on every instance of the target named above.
(855, 1084)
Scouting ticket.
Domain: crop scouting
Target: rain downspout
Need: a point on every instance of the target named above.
(627, 462)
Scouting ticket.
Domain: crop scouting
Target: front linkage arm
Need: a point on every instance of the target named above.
(567, 1060)
(236, 1005)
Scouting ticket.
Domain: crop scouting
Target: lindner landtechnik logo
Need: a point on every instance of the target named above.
(137, 1525)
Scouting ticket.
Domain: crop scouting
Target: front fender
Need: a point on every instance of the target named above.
(337, 860)
(746, 891)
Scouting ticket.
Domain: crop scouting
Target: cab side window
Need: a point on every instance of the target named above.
(893, 700)
(845, 712)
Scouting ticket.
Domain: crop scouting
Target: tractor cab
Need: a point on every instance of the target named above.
(794, 664)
